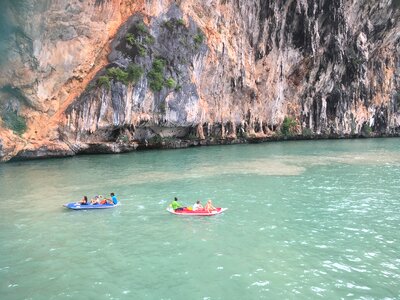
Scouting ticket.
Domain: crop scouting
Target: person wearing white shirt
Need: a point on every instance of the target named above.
(197, 205)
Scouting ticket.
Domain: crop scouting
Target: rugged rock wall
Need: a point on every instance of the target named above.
(111, 76)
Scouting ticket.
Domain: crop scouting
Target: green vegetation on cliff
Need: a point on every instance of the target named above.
(131, 75)
(170, 83)
(138, 40)
(156, 75)
(104, 81)
(14, 122)
(288, 126)
(198, 39)
(118, 74)
(173, 23)
(366, 130)
(134, 73)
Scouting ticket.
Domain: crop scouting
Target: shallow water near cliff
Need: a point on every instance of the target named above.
(306, 219)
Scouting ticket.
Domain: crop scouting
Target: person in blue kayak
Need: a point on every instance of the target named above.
(83, 201)
(113, 199)
(176, 205)
(95, 200)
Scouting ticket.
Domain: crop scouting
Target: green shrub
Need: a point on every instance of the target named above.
(366, 129)
(159, 64)
(118, 74)
(134, 73)
(198, 39)
(173, 23)
(138, 38)
(156, 75)
(14, 122)
(141, 28)
(288, 126)
(156, 81)
(104, 81)
(168, 24)
(180, 22)
(141, 50)
(170, 83)
(130, 39)
(149, 40)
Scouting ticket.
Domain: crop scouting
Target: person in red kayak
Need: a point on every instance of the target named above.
(197, 206)
(176, 205)
(209, 207)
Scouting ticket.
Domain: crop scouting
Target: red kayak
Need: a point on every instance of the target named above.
(201, 212)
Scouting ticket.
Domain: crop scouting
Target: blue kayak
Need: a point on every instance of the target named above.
(77, 206)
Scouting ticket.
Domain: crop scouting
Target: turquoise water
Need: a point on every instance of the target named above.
(306, 220)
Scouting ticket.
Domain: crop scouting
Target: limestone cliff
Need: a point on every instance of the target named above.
(111, 76)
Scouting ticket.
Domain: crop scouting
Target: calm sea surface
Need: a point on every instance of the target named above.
(306, 220)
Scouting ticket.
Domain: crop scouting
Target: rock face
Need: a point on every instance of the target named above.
(114, 76)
